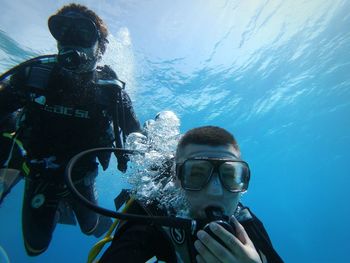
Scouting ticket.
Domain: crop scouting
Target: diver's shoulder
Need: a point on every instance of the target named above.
(106, 72)
(31, 71)
(106, 76)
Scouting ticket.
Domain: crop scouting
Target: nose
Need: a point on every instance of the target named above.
(214, 187)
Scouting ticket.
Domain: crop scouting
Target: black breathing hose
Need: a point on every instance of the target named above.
(187, 224)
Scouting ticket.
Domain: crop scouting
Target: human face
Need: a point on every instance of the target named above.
(213, 193)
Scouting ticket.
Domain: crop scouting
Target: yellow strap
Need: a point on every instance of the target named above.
(25, 168)
(11, 136)
(96, 249)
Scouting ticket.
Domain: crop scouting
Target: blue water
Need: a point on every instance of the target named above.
(275, 73)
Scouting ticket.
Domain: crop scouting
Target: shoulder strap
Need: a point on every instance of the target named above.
(38, 76)
(45, 59)
(122, 198)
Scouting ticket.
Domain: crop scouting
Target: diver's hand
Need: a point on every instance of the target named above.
(241, 247)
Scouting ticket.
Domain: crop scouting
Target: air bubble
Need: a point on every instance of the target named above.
(152, 172)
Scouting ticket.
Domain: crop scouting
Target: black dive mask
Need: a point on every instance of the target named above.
(73, 30)
(195, 173)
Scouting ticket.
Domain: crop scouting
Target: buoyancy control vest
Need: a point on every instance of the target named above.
(65, 114)
(183, 241)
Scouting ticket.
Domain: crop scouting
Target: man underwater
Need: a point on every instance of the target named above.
(66, 104)
(212, 176)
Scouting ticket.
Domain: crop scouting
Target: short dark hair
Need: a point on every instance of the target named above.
(208, 135)
(101, 26)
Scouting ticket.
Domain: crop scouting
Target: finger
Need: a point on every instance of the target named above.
(200, 259)
(240, 232)
(214, 249)
(204, 253)
(230, 241)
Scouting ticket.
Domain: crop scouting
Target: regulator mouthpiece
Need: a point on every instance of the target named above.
(214, 213)
(72, 59)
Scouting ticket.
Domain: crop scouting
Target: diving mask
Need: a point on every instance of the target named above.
(73, 30)
(195, 173)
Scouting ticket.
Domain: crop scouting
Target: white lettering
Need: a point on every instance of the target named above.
(58, 109)
(82, 114)
(48, 108)
(68, 111)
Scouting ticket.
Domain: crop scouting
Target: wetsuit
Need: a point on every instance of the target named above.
(62, 115)
(140, 242)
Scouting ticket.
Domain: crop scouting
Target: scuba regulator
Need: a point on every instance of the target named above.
(215, 214)
(71, 59)
(77, 59)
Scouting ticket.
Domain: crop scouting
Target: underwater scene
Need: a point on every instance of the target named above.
(274, 73)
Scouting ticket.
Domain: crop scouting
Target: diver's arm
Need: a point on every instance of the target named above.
(126, 111)
(12, 96)
(128, 123)
(10, 100)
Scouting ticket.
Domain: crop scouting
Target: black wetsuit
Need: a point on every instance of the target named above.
(134, 242)
(139, 243)
(63, 114)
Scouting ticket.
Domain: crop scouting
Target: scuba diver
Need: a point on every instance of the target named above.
(63, 104)
(209, 172)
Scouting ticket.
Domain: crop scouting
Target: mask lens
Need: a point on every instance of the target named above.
(234, 175)
(73, 31)
(86, 31)
(59, 27)
(196, 174)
